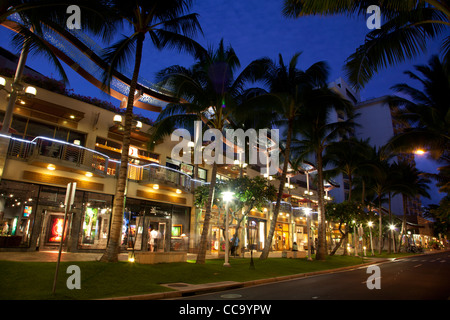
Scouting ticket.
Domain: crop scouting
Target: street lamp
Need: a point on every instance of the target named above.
(370, 231)
(419, 152)
(392, 227)
(17, 91)
(354, 238)
(308, 227)
(118, 121)
(227, 197)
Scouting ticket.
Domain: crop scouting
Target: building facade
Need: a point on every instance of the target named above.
(56, 139)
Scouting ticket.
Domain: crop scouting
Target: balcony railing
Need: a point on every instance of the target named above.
(19, 148)
(155, 173)
(64, 153)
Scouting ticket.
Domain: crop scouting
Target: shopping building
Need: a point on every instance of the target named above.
(58, 138)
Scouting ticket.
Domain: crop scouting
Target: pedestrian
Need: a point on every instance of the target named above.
(153, 239)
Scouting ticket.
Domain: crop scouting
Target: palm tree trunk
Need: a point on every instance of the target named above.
(322, 240)
(265, 253)
(112, 251)
(380, 226)
(390, 221)
(404, 198)
(342, 241)
(201, 256)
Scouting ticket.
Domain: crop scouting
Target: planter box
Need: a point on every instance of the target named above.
(294, 254)
(159, 257)
(10, 241)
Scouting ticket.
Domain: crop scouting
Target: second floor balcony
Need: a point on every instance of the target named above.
(45, 152)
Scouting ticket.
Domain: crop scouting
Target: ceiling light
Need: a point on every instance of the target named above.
(51, 167)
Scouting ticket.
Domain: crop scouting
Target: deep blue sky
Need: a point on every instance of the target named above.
(257, 29)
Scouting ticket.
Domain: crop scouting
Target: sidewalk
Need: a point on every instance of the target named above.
(52, 256)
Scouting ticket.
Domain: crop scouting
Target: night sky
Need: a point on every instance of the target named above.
(257, 29)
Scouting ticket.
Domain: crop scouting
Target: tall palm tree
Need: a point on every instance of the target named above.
(347, 157)
(288, 89)
(426, 115)
(404, 35)
(425, 111)
(167, 24)
(410, 183)
(314, 134)
(209, 91)
(379, 184)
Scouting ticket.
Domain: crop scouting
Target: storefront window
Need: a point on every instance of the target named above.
(281, 237)
(55, 229)
(179, 240)
(186, 168)
(96, 220)
(17, 212)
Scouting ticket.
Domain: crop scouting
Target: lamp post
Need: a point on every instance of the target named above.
(392, 227)
(227, 197)
(308, 227)
(370, 232)
(17, 91)
(354, 238)
(308, 214)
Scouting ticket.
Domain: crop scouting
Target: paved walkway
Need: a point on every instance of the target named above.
(52, 256)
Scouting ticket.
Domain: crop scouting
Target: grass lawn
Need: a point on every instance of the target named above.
(34, 280)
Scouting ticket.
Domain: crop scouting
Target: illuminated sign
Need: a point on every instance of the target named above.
(133, 152)
(27, 211)
(56, 229)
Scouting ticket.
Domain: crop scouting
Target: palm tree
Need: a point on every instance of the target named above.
(209, 91)
(347, 157)
(314, 134)
(402, 37)
(410, 183)
(425, 115)
(379, 183)
(38, 17)
(167, 25)
(288, 89)
(424, 110)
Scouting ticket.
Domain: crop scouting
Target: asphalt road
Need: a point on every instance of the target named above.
(425, 277)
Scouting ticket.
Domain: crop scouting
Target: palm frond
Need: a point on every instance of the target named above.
(37, 45)
(117, 56)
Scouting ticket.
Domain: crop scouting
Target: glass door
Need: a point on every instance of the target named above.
(161, 245)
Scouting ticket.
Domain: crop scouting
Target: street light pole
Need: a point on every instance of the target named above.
(370, 232)
(227, 197)
(354, 238)
(392, 227)
(308, 230)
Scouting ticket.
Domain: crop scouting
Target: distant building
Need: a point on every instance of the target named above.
(377, 122)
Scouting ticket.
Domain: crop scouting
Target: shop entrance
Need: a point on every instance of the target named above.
(281, 237)
(217, 242)
(157, 235)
